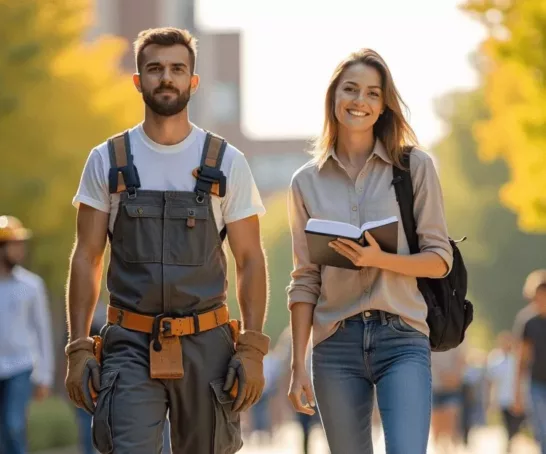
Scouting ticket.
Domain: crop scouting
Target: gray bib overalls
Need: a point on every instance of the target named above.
(166, 258)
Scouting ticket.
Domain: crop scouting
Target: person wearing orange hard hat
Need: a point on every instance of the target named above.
(26, 353)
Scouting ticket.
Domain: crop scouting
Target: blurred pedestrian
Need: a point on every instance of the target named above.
(474, 393)
(26, 348)
(448, 370)
(501, 375)
(533, 280)
(532, 362)
(369, 324)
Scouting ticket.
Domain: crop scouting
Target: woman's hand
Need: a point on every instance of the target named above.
(300, 383)
(360, 255)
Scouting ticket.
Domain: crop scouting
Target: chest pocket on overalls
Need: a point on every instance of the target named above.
(186, 235)
(142, 233)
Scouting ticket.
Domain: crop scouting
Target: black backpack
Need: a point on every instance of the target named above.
(449, 312)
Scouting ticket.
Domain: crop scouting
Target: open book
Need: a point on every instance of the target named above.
(320, 232)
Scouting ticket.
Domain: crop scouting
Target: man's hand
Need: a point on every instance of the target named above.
(41, 392)
(83, 373)
(359, 255)
(247, 366)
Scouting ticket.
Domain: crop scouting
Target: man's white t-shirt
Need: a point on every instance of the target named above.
(169, 168)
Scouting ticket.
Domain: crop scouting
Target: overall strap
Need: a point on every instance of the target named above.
(123, 175)
(210, 179)
(404, 195)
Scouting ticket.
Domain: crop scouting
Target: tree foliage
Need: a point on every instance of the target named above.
(513, 66)
(498, 255)
(60, 97)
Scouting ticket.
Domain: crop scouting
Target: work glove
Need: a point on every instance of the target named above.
(83, 373)
(246, 369)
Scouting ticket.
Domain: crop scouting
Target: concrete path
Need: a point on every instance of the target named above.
(288, 441)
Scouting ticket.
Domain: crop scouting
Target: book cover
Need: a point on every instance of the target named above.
(320, 232)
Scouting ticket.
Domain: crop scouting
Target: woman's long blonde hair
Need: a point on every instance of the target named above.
(391, 127)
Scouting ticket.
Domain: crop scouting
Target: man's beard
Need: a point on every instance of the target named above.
(169, 107)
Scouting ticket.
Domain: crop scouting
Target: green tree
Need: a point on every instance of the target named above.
(513, 67)
(60, 97)
(498, 255)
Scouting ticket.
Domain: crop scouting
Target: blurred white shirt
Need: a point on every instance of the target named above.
(25, 328)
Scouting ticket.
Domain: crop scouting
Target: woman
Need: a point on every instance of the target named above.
(369, 325)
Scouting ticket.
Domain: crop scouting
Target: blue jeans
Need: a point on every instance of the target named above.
(538, 412)
(374, 348)
(15, 395)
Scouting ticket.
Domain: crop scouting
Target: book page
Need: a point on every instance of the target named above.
(373, 224)
(333, 228)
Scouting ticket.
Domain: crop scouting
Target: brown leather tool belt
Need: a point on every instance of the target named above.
(169, 326)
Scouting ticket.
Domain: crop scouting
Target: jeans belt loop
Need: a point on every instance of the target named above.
(383, 317)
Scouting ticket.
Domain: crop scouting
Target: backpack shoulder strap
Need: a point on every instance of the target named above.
(123, 175)
(210, 179)
(404, 195)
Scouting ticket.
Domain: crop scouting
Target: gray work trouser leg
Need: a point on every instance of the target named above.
(131, 408)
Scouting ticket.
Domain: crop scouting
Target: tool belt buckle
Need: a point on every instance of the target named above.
(161, 328)
(165, 350)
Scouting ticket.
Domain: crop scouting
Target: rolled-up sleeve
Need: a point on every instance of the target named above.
(305, 280)
(429, 209)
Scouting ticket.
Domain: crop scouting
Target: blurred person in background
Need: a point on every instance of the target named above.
(368, 326)
(533, 280)
(26, 349)
(448, 370)
(531, 363)
(501, 375)
(474, 393)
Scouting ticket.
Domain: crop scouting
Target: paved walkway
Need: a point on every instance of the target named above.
(484, 441)
(288, 440)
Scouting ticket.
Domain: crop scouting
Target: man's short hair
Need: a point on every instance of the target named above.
(165, 36)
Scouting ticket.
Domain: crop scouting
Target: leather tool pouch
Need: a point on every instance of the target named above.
(166, 363)
(97, 351)
(97, 348)
(235, 328)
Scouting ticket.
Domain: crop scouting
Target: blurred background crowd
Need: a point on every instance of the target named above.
(473, 74)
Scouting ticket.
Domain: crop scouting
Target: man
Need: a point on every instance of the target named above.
(531, 361)
(26, 350)
(166, 194)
